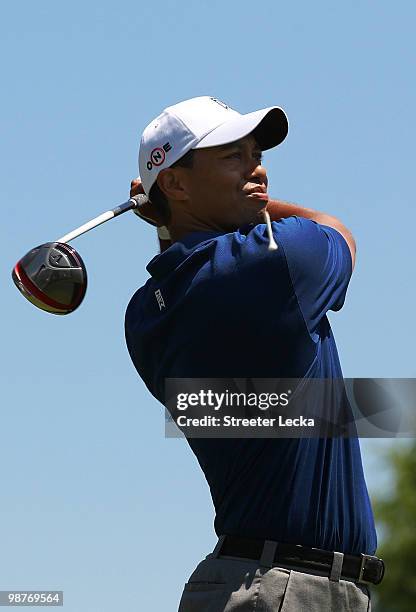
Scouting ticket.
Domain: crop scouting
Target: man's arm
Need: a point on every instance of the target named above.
(278, 209)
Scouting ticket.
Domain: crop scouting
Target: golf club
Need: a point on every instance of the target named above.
(52, 276)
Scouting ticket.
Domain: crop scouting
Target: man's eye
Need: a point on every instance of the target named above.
(237, 155)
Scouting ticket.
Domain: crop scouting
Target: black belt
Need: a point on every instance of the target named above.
(363, 569)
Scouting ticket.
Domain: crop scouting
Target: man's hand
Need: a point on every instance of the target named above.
(136, 187)
(148, 213)
(145, 211)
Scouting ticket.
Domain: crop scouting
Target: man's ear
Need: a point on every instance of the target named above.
(172, 183)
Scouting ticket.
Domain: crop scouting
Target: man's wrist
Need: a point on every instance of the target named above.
(163, 233)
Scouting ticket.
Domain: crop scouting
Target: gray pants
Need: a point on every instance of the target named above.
(232, 584)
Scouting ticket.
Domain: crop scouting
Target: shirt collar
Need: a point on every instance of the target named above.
(167, 261)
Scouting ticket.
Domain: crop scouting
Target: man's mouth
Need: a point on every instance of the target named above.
(258, 192)
(256, 188)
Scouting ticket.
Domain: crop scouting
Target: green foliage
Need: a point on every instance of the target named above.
(396, 518)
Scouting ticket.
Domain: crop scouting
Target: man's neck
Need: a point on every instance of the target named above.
(177, 232)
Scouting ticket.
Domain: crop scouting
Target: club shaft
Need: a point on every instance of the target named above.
(106, 216)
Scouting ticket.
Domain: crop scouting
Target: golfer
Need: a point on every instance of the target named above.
(292, 515)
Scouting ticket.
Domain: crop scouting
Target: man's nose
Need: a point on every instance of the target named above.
(255, 171)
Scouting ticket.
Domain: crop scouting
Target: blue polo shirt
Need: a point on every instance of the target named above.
(232, 308)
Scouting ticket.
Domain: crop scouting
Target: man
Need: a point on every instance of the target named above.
(221, 303)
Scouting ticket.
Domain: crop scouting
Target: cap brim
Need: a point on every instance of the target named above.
(269, 127)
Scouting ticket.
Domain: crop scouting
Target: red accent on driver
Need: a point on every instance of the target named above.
(37, 293)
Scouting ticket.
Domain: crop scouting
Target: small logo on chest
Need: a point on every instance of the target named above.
(160, 299)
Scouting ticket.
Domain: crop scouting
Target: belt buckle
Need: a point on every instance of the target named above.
(364, 558)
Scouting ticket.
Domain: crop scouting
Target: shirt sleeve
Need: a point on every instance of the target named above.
(320, 265)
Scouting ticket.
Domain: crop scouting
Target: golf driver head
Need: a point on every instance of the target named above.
(53, 277)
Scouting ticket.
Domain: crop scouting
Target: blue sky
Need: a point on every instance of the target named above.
(95, 501)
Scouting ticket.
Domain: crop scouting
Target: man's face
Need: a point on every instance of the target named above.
(227, 185)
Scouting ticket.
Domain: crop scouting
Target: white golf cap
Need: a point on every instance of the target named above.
(199, 123)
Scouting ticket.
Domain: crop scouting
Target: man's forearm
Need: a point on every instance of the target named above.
(278, 209)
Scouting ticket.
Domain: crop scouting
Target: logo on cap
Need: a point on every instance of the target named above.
(158, 156)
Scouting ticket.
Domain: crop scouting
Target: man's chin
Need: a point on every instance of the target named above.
(255, 209)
